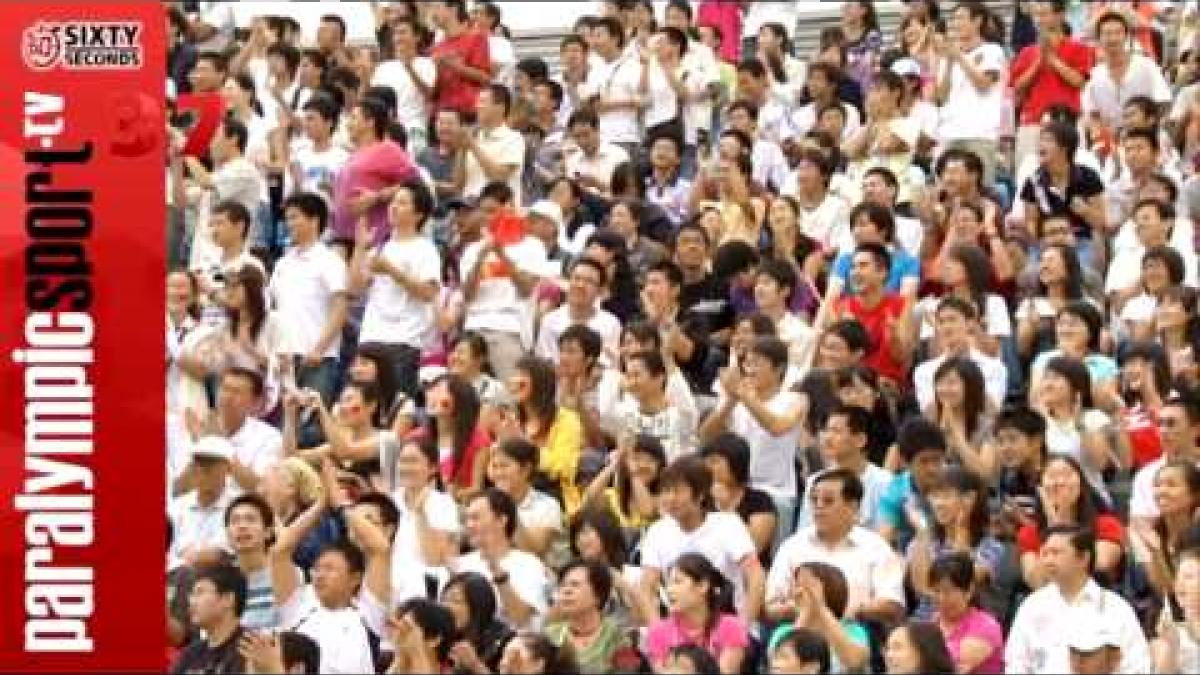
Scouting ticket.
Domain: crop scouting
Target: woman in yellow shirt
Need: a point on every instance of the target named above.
(557, 431)
(628, 484)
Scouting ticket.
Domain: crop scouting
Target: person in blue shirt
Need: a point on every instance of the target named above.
(871, 222)
(905, 502)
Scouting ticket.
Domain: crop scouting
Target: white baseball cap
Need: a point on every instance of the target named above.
(906, 68)
(548, 210)
(213, 447)
(1087, 633)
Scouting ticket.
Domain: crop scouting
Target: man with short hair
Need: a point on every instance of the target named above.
(314, 160)
(589, 158)
(400, 282)
(1042, 629)
(874, 573)
(1118, 76)
(613, 93)
(690, 524)
(882, 313)
(685, 332)
(494, 152)
(233, 178)
(586, 280)
(463, 58)
(518, 577)
(215, 605)
(905, 504)
(843, 445)
(309, 293)
(249, 523)
(412, 77)
(377, 167)
(229, 223)
(775, 284)
(208, 73)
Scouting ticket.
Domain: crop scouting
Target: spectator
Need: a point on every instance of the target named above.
(973, 637)
(917, 647)
(820, 595)
(217, 602)
(843, 445)
(462, 57)
(728, 458)
(480, 637)
(412, 76)
(596, 640)
(701, 604)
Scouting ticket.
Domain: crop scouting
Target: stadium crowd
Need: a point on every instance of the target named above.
(691, 353)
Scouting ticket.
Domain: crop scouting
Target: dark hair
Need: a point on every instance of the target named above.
(250, 278)
(257, 502)
(598, 577)
(774, 350)
(535, 68)
(1081, 537)
(978, 269)
(852, 487)
(521, 451)
(625, 177)
(1089, 315)
(652, 361)
(960, 480)
(1074, 282)
(226, 579)
(300, 650)
(589, 341)
(601, 520)
(675, 37)
(245, 82)
(1076, 374)
(691, 471)
(1111, 16)
(1170, 258)
(500, 96)
(1156, 356)
(311, 205)
(647, 445)
(337, 21)
(585, 117)
(967, 158)
(216, 59)
(745, 106)
(481, 604)
(808, 645)
(376, 111)
(852, 332)
(858, 420)
(701, 659)
(827, 70)
(956, 567)
(611, 26)
(250, 375)
(501, 504)
(323, 106)
(543, 383)
(1023, 419)
(930, 645)
(554, 659)
(720, 591)
(435, 621)
(880, 216)
(1150, 135)
(833, 583)
(466, 418)
(572, 39)
(231, 127)
(883, 259)
(556, 91)
(974, 393)
(918, 435)
(1065, 136)
(385, 379)
(388, 513)
(422, 199)
(497, 191)
(753, 67)
(735, 451)
(1086, 509)
(733, 257)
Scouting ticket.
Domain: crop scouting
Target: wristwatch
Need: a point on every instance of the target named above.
(500, 579)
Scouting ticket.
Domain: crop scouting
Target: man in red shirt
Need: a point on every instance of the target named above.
(464, 64)
(884, 315)
(1049, 73)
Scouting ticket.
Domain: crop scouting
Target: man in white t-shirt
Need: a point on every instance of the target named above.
(690, 525)
(350, 592)
(494, 152)
(1102, 101)
(229, 224)
(584, 284)
(874, 572)
(233, 178)
(970, 88)
(401, 281)
(843, 445)
(497, 281)
(308, 290)
(412, 77)
(314, 159)
(1154, 220)
(519, 578)
(755, 406)
(614, 90)
(1178, 428)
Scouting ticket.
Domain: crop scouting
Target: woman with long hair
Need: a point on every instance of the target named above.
(1178, 331)
(1145, 386)
(1177, 647)
(965, 274)
(541, 529)
(352, 440)
(556, 431)
(252, 337)
(1162, 268)
(453, 423)
(728, 458)
(858, 385)
(628, 484)
(480, 635)
(961, 408)
(597, 536)
(701, 613)
(187, 361)
(1060, 282)
(787, 243)
(820, 595)
(535, 654)
(426, 534)
(917, 648)
(577, 218)
(371, 365)
(974, 638)
(1156, 547)
(1066, 498)
(915, 40)
(621, 296)
(469, 360)
(968, 223)
(1074, 426)
(1078, 330)
(785, 72)
(960, 523)
(623, 219)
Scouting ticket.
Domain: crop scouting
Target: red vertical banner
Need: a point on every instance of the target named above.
(82, 534)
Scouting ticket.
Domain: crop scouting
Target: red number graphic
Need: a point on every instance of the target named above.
(208, 109)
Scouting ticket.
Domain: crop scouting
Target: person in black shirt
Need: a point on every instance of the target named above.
(685, 332)
(1062, 187)
(1021, 445)
(702, 293)
(216, 604)
(728, 457)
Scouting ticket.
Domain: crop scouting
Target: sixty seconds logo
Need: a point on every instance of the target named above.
(83, 45)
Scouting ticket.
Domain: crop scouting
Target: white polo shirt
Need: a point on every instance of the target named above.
(303, 289)
(559, 320)
(257, 445)
(872, 569)
(599, 166)
(1103, 95)
(1037, 641)
(341, 634)
(393, 315)
(197, 526)
(722, 538)
(618, 80)
(502, 145)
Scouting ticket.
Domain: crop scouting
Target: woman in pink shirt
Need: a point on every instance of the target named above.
(702, 614)
(973, 637)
